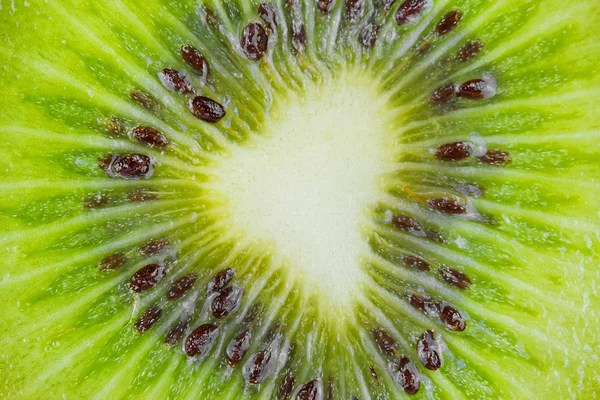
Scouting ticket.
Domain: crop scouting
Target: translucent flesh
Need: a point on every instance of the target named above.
(69, 67)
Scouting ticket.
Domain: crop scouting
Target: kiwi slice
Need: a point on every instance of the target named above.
(318, 199)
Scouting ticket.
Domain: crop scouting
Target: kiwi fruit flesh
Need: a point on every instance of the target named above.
(300, 199)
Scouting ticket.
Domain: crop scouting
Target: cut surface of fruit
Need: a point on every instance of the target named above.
(300, 199)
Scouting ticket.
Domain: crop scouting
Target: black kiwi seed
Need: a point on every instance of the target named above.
(475, 89)
(447, 206)
(181, 286)
(104, 161)
(176, 333)
(448, 23)
(145, 100)
(423, 303)
(211, 17)
(195, 59)
(267, 14)
(325, 6)
(405, 223)
(453, 319)
(409, 10)
(200, 341)
(309, 391)
(112, 262)
(455, 278)
(405, 372)
(355, 10)
(148, 319)
(417, 263)
(469, 50)
(496, 157)
(285, 387)
(154, 247)
(428, 351)
(149, 136)
(254, 41)
(227, 301)
(237, 348)
(96, 201)
(146, 278)
(175, 81)
(454, 151)
(258, 367)
(298, 37)
(444, 94)
(385, 341)
(220, 280)
(131, 166)
(369, 35)
(206, 109)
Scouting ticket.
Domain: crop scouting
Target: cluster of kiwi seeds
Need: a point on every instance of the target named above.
(140, 285)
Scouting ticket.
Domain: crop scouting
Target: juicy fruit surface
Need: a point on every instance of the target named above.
(308, 200)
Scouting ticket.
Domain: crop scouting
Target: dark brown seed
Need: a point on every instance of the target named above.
(387, 4)
(496, 157)
(374, 375)
(369, 35)
(147, 321)
(428, 350)
(220, 280)
(200, 341)
(206, 109)
(444, 94)
(386, 343)
(211, 17)
(112, 262)
(447, 206)
(154, 247)
(448, 23)
(254, 41)
(454, 151)
(455, 278)
(285, 387)
(469, 50)
(330, 388)
(417, 263)
(267, 14)
(140, 196)
(237, 348)
(145, 100)
(176, 333)
(298, 37)
(424, 303)
(195, 59)
(405, 223)
(146, 278)
(181, 286)
(96, 201)
(405, 374)
(409, 11)
(325, 6)
(227, 301)
(260, 367)
(477, 89)
(149, 136)
(115, 126)
(453, 319)
(310, 391)
(104, 162)
(355, 10)
(175, 81)
(132, 166)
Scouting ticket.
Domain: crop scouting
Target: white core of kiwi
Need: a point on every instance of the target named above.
(305, 186)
